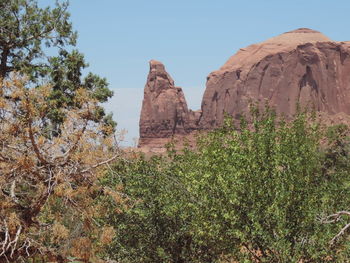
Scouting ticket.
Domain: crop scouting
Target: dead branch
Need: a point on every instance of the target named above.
(334, 218)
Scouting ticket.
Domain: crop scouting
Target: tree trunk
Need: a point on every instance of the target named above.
(3, 63)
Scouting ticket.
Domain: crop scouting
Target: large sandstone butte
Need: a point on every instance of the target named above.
(302, 66)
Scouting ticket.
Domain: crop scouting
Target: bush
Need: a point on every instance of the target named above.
(260, 193)
(155, 227)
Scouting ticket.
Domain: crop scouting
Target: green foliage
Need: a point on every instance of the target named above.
(156, 226)
(65, 74)
(25, 29)
(259, 193)
(264, 188)
(27, 34)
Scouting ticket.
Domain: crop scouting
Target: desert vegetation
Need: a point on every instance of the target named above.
(262, 189)
(262, 192)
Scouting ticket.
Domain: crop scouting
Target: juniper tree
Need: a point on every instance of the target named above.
(48, 185)
(28, 33)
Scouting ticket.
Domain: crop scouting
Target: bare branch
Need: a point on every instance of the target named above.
(75, 144)
(31, 135)
(336, 218)
(101, 163)
(342, 231)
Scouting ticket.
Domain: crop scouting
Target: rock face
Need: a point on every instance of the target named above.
(164, 109)
(299, 66)
(302, 66)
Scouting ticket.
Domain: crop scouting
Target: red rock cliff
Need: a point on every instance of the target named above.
(302, 66)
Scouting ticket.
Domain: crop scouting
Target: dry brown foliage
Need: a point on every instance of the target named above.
(48, 183)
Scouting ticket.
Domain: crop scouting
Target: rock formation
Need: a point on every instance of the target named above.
(164, 109)
(302, 66)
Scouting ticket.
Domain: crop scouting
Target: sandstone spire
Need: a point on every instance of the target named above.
(164, 109)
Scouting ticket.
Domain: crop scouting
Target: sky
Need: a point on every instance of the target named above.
(191, 37)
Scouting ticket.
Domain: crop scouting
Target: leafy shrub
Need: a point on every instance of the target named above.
(257, 193)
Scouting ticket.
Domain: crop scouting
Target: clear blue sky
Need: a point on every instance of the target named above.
(191, 37)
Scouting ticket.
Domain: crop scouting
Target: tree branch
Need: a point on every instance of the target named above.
(31, 135)
(101, 163)
(336, 218)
